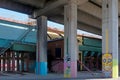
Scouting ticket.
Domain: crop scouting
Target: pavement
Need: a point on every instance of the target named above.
(52, 76)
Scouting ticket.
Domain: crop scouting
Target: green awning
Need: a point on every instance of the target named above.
(23, 47)
(85, 53)
(89, 48)
(92, 53)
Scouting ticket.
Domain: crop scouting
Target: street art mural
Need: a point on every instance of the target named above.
(67, 67)
(107, 64)
(67, 62)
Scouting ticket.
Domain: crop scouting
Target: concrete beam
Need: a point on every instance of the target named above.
(53, 6)
(81, 2)
(91, 9)
(94, 10)
(81, 26)
(49, 7)
(90, 6)
(35, 3)
(89, 19)
(89, 28)
(11, 5)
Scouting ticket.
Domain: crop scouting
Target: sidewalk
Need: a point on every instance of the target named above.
(51, 76)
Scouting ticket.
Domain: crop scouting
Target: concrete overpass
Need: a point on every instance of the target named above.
(89, 11)
(82, 14)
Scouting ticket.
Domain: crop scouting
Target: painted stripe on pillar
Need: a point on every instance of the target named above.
(115, 69)
(38, 60)
(114, 65)
(107, 45)
(107, 58)
(66, 70)
(37, 68)
(41, 68)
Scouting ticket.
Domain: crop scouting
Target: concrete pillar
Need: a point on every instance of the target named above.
(70, 39)
(41, 53)
(110, 38)
(119, 53)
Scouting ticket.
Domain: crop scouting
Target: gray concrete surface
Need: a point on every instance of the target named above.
(52, 76)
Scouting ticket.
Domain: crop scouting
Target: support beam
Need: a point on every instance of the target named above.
(110, 38)
(49, 7)
(89, 28)
(41, 53)
(54, 5)
(70, 40)
(89, 19)
(80, 25)
(11, 5)
(83, 17)
(25, 34)
(91, 9)
(36, 3)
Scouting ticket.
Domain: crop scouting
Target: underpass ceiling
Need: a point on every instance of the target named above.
(35, 3)
(89, 11)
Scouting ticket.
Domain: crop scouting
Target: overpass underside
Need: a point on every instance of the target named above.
(82, 14)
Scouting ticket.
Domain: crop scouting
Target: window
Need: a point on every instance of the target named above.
(58, 52)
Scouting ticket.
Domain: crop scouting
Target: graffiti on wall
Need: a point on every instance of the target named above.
(107, 64)
(67, 63)
(67, 66)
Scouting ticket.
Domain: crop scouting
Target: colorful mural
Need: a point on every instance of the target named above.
(107, 64)
(67, 67)
(67, 62)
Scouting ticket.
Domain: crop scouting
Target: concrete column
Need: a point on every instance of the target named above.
(119, 53)
(110, 38)
(70, 39)
(41, 53)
